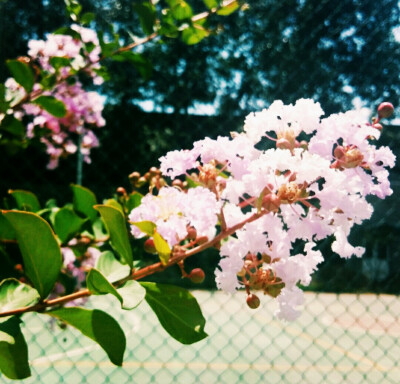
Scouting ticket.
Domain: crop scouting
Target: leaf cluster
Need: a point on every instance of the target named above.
(40, 233)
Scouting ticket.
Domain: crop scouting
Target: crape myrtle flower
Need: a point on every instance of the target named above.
(83, 109)
(174, 210)
(312, 184)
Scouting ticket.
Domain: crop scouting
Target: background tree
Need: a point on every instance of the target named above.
(275, 50)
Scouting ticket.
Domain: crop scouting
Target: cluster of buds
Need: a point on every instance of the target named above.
(211, 176)
(254, 277)
(153, 179)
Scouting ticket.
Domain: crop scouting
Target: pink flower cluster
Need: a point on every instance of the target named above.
(175, 212)
(83, 112)
(68, 47)
(83, 109)
(311, 184)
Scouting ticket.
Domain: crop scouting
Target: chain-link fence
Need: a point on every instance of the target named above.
(343, 338)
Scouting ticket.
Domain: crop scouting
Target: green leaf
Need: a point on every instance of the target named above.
(39, 248)
(133, 201)
(177, 310)
(14, 295)
(132, 294)
(48, 81)
(99, 230)
(194, 34)
(4, 105)
(12, 125)
(26, 201)
(147, 16)
(22, 74)
(73, 9)
(12, 145)
(108, 49)
(116, 227)
(84, 200)
(168, 27)
(6, 229)
(67, 223)
(180, 9)
(87, 18)
(228, 9)
(99, 285)
(98, 326)
(114, 203)
(52, 105)
(13, 350)
(58, 62)
(67, 31)
(210, 4)
(111, 268)
(162, 247)
(102, 72)
(147, 227)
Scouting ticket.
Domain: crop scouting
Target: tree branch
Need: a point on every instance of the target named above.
(136, 274)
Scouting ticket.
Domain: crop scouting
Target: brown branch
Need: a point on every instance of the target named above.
(136, 274)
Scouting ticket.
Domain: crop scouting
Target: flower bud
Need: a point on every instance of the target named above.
(134, 177)
(283, 144)
(192, 233)
(339, 152)
(271, 202)
(177, 183)
(142, 180)
(197, 276)
(253, 301)
(149, 246)
(121, 191)
(385, 110)
(154, 171)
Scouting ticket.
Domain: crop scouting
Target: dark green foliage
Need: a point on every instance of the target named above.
(13, 350)
(177, 310)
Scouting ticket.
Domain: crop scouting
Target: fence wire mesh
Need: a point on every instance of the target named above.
(345, 338)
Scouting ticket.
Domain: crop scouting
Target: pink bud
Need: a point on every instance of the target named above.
(149, 246)
(385, 110)
(197, 276)
(192, 233)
